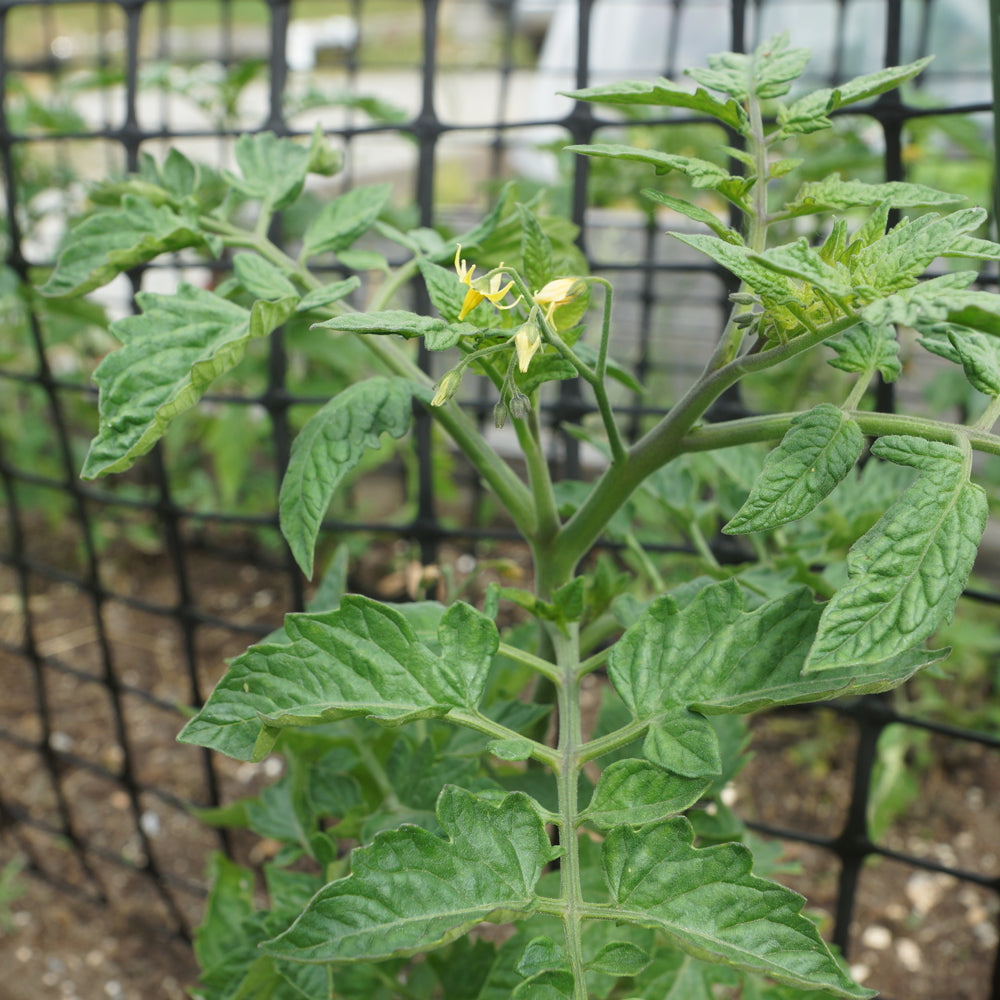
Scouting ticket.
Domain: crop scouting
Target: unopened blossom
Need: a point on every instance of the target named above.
(447, 387)
(527, 340)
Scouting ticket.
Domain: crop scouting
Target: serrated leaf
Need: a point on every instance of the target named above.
(715, 658)
(799, 260)
(809, 113)
(438, 334)
(105, 244)
(776, 288)
(977, 353)
(973, 249)
(230, 903)
(261, 278)
(272, 170)
(776, 67)
(536, 250)
(542, 954)
(835, 195)
(817, 452)
(867, 349)
(553, 985)
(511, 749)
(685, 743)
(364, 659)
(702, 173)
(619, 958)
(903, 254)
(328, 294)
(907, 572)
(663, 93)
(410, 891)
(709, 904)
(637, 792)
(170, 353)
(929, 301)
(331, 445)
(342, 221)
(695, 213)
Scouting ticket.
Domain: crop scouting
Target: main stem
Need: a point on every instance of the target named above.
(567, 652)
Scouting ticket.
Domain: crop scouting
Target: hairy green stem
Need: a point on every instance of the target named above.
(665, 442)
(570, 739)
(709, 437)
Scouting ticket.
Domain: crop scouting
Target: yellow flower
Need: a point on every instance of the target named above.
(480, 288)
(527, 340)
(558, 292)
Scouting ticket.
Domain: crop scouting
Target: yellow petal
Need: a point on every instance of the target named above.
(472, 299)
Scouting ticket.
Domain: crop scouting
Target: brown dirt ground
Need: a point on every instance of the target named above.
(916, 936)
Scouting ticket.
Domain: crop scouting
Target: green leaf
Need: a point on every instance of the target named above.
(663, 93)
(542, 954)
(104, 244)
(637, 792)
(619, 958)
(809, 113)
(330, 446)
(776, 67)
(902, 255)
(907, 572)
(835, 195)
(364, 659)
(230, 903)
(554, 985)
(438, 334)
(695, 213)
(410, 891)
(801, 261)
(930, 301)
(536, 250)
(701, 173)
(685, 743)
(819, 449)
(867, 349)
(273, 170)
(709, 904)
(261, 278)
(328, 294)
(342, 221)
(715, 658)
(171, 352)
(776, 288)
(977, 353)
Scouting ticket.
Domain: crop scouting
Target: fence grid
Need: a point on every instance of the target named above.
(145, 643)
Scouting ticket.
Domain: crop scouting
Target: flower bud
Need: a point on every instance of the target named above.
(519, 405)
(499, 415)
(743, 298)
(447, 387)
(527, 340)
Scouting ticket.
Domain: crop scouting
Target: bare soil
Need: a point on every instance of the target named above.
(916, 935)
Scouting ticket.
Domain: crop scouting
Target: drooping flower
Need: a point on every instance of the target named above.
(447, 387)
(557, 293)
(480, 288)
(527, 341)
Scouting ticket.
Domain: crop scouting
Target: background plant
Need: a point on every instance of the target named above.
(428, 727)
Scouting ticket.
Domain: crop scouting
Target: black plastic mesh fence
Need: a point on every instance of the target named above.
(120, 600)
